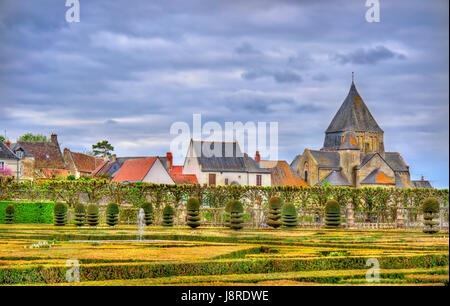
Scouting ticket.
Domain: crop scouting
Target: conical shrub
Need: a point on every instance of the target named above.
(149, 213)
(289, 215)
(332, 214)
(92, 215)
(275, 204)
(236, 215)
(60, 214)
(9, 214)
(227, 214)
(112, 214)
(430, 208)
(168, 214)
(80, 214)
(193, 212)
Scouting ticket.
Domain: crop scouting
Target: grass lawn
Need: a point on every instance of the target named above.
(37, 255)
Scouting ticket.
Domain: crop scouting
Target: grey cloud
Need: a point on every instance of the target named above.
(367, 56)
(278, 76)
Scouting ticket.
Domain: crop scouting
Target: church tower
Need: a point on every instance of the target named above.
(354, 116)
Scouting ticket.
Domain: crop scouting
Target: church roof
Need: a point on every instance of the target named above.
(327, 159)
(353, 115)
(335, 178)
(377, 177)
(396, 162)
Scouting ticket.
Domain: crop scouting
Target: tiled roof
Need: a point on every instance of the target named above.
(421, 184)
(281, 173)
(353, 115)
(176, 170)
(377, 177)
(335, 178)
(46, 154)
(49, 173)
(83, 162)
(6, 153)
(396, 161)
(327, 159)
(295, 162)
(100, 168)
(15, 147)
(184, 179)
(134, 170)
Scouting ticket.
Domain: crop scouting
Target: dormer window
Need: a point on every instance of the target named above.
(47, 156)
(19, 154)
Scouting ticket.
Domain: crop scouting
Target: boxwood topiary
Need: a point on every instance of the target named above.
(80, 214)
(112, 214)
(168, 214)
(148, 210)
(60, 214)
(275, 204)
(9, 214)
(193, 212)
(332, 214)
(92, 215)
(236, 215)
(227, 214)
(289, 215)
(430, 208)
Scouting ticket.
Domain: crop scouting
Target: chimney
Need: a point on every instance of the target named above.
(113, 157)
(54, 138)
(8, 144)
(422, 178)
(169, 159)
(257, 157)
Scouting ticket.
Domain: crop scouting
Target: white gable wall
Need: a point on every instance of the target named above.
(158, 174)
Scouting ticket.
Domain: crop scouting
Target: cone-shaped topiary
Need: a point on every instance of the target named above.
(9, 214)
(227, 214)
(168, 213)
(289, 215)
(193, 212)
(80, 214)
(275, 204)
(148, 210)
(430, 208)
(236, 215)
(332, 214)
(92, 215)
(60, 214)
(112, 214)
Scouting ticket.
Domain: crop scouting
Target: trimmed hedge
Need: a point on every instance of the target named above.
(275, 204)
(430, 209)
(60, 214)
(92, 215)
(9, 214)
(168, 214)
(237, 213)
(227, 214)
(193, 212)
(148, 210)
(289, 215)
(80, 214)
(28, 212)
(112, 214)
(332, 214)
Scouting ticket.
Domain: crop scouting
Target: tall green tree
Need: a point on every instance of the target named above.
(102, 148)
(29, 137)
(2, 139)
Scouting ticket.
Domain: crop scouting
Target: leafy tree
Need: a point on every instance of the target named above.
(29, 137)
(2, 139)
(102, 148)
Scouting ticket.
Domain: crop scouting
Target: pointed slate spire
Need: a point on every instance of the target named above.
(353, 115)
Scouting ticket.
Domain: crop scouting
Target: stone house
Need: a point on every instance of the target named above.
(9, 160)
(281, 173)
(353, 153)
(223, 163)
(80, 164)
(148, 170)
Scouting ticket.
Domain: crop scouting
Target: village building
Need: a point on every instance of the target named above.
(223, 163)
(176, 172)
(80, 164)
(353, 153)
(9, 161)
(280, 172)
(148, 170)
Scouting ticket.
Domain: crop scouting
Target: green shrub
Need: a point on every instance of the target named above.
(430, 208)
(92, 215)
(71, 177)
(9, 214)
(227, 214)
(193, 212)
(275, 204)
(236, 212)
(168, 214)
(60, 214)
(28, 212)
(332, 214)
(112, 214)
(289, 215)
(148, 210)
(80, 214)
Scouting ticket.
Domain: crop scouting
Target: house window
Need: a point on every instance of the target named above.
(19, 154)
(212, 179)
(2, 165)
(226, 181)
(258, 180)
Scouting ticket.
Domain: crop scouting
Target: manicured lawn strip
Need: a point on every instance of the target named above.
(91, 272)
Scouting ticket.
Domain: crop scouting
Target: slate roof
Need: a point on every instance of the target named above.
(46, 154)
(134, 170)
(396, 161)
(377, 177)
(421, 184)
(350, 142)
(6, 153)
(401, 182)
(229, 158)
(281, 173)
(295, 162)
(335, 178)
(353, 115)
(15, 147)
(327, 159)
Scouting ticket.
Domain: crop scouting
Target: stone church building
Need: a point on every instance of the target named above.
(353, 152)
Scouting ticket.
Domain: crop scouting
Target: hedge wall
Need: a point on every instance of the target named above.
(29, 212)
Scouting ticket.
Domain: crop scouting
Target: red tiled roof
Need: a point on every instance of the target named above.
(49, 173)
(281, 174)
(134, 170)
(184, 179)
(84, 162)
(176, 170)
(46, 154)
(100, 168)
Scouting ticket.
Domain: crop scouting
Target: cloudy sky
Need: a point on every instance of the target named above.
(129, 69)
